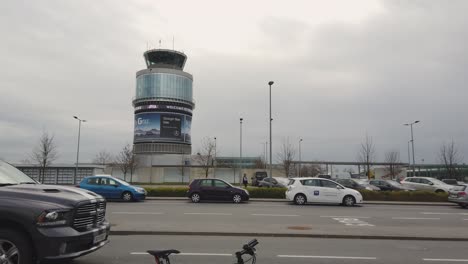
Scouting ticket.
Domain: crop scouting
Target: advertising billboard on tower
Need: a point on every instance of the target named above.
(162, 127)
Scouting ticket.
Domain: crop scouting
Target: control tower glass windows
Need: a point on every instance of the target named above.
(164, 85)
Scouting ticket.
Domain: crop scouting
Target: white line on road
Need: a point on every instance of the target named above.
(207, 214)
(188, 254)
(447, 260)
(338, 216)
(325, 257)
(137, 213)
(272, 215)
(435, 213)
(415, 218)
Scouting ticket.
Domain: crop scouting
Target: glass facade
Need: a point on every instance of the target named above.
(164, 85)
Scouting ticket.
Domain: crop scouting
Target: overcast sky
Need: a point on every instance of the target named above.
(341, 69)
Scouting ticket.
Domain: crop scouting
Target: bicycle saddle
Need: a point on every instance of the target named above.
(163, 253)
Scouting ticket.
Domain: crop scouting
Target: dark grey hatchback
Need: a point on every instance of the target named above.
(215, 189)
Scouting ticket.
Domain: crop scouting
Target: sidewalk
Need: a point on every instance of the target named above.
(286, 201)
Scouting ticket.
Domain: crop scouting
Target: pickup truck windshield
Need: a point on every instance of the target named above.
(11, 175)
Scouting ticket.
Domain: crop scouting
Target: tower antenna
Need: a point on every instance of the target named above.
(159, 43)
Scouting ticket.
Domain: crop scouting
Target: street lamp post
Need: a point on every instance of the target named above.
(300, 164)
(240, 160)
(412, 143)
(270, 83)
(78, 148)
(214, 160)
(409, 154)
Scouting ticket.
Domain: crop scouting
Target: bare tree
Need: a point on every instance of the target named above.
(103, 158)
(449, 156)
(126, 161)
(204, 157)
(286, 156)
(311, 170)
(44, 153)
(259, 164)
(366, 154)
(392, 158)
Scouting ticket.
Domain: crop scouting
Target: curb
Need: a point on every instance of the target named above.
(285, 201)
(291, 235)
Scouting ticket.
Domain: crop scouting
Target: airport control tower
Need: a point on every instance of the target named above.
(163, 105)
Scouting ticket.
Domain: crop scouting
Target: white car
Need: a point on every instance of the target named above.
(426, 184)
(316, 190)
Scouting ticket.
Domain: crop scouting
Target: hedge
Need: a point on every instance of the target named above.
(279, 193)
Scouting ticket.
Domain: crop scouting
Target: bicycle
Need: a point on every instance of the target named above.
(162, 256)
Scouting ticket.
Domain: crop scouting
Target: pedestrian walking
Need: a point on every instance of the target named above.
(244, 180)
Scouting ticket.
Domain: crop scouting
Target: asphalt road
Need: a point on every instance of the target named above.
(215, 249)
(425, 222)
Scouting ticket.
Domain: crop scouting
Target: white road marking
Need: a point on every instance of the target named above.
(188, 254)
(272, 215)
(447, 260)
(206, 214)
(414, 218)
(466, 219)
(435, 213)
(352, 222)
(137, 213)
(338, 216)
(325, 257)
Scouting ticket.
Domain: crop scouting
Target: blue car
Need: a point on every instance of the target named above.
(113, 188)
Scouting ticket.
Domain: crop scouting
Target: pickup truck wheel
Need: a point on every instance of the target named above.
(15, 248)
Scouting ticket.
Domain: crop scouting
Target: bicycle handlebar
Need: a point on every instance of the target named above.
(249, 249)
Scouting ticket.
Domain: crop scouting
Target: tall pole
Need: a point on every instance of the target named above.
(266, 154)
(240, 159)
(78, 148)
(412, 143)
(409, 154)
(300, 159)
(214, 161)
(271, 143)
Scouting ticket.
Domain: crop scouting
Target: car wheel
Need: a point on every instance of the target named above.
(349, 200)
(195, 197)
(127, 196)
(300, 199)
(15, 248)
(439, 191)
(237, 198)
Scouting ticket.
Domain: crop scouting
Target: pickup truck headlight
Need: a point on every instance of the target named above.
(53, 218)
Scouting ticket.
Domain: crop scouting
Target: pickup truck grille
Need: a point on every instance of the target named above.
(89, 215)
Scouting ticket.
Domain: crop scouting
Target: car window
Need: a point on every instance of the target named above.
(459, 188)
(93, 181)
(424, 181)
(206, 183)
(311, 182)
(328, 184)
(108, 181)
(267, 179)
(218, 183)
(291, 182)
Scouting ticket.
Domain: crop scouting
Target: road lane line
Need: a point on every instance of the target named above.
(447, 260)
(325, 257)
(338, 216)
(137, 213)
(435, 213)
(188, 254)
(415, 218)
(272, 215)
(206, 214)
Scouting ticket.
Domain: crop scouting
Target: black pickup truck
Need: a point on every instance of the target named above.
(47, 222)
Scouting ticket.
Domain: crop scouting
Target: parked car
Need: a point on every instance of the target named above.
(41, 223)
(426, 184)
(215, 189)
(450, 181)
(259, 176)
(113, 188)
(324, 176)
(389, 185)
(357, 185)
(459, 195)
(271, 182)
(316, 190)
